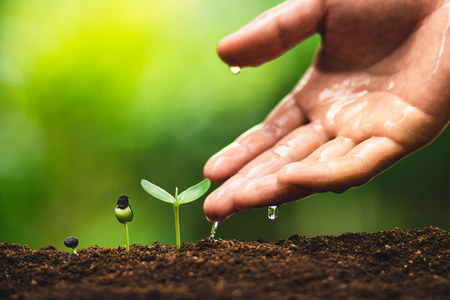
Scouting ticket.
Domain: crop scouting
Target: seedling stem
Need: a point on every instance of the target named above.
(127, 239)
(124, 214)
(189, 195)
(177, 225)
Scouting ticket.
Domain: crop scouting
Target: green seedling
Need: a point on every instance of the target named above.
(124, 214)
(189, 195)
(71, 242)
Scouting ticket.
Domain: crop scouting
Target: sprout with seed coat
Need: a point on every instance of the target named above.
(124, 214)
(71, 242)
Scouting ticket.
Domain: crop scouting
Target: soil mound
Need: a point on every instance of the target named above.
(393, 264)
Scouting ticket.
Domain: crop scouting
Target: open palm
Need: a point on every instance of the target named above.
(377, 91)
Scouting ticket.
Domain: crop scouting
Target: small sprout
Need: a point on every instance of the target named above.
(124, 214)
(214, 229)
(189, 195)
(71, 242)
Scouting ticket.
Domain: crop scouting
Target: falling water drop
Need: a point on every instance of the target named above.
(272, 212)
(214, 229)
(235, 70)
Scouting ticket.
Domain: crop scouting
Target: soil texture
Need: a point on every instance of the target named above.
(393, 264)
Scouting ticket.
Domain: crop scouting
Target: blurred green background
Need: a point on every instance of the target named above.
(96, 95)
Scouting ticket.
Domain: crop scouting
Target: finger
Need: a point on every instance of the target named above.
(219, 205)
(295, 146)
(239, 194)
(232, 195)
(272, 33)
(353, 169)
(283, 119)
(332, 149)
(266, 191)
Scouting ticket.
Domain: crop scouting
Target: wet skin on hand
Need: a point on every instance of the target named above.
(376, 92)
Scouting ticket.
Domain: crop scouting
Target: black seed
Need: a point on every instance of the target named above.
(71, 242)
(123, 202)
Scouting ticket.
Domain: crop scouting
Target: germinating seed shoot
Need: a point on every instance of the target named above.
(124, 214)
(72, 242)
(214, 229)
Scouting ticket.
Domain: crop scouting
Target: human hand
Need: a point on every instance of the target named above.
(377, 91)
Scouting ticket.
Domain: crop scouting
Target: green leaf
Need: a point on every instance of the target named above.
(157, 192)
(194, 192)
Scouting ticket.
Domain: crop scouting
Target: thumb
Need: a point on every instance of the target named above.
(272, 33)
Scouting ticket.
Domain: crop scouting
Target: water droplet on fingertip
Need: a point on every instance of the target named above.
(272, 212)
(235, 70)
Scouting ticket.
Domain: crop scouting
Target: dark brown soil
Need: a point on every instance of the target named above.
(394, 264)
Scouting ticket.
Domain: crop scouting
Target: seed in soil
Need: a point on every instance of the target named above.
(71, 242)
(124, 214)
(272, 212)
(235, 70)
